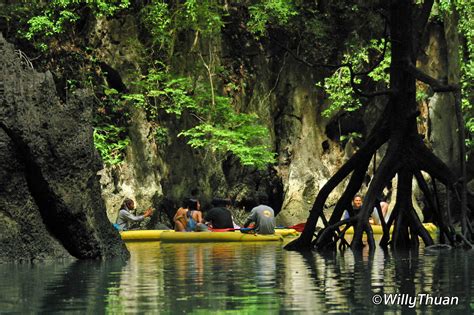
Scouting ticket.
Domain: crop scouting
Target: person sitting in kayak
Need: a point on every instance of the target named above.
(354, 210)
(125, 218)
(219, 217)
(263, 216)
(189, 217)
(375, 219)
(357, 205)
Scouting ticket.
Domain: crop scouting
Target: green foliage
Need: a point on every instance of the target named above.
(110, 126)
(421, 95)
(204, 16)
(237, 133)
(277, 12)
(219, 126)
(338, 85)
(157, 19)
(351, 136)
(164, 20)
(160, 91)
(54, 17)
(111, 143)
(160, 135)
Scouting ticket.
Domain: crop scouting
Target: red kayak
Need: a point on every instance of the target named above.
(298, 227)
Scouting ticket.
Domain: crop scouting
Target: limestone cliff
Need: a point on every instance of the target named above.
(50, 203)
(286, 99)
(282, 91)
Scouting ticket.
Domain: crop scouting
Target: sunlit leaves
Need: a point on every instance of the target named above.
(265, 12)
(56, 15)
(164, 20)
(218, 126)
(157, 18)
(111, 143)
(338, 86)
(160, 91)
(110, 126)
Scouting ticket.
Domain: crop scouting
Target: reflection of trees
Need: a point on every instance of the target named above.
(82, 287)
(256, 277)
(453, 270)
(406, 272)
(23, 280)
(320, 279)
(346, 281)
(141, 279)
(260, 278)
(222, 276)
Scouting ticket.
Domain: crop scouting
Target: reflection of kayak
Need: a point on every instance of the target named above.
(185, 237)
(278, 231)
(430, 227)
(143, 235)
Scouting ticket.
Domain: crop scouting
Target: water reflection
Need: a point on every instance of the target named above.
(82, 286)
(57, 287)
(221, 276)
(244, 278)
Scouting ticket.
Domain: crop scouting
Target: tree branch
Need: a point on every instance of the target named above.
(357, 178)
(420, 24)
(432, 205)
(372, 144)
(353, 74)
(386, 171)
(382, 57)
(357, 91)
(433, 165)
(436, 85)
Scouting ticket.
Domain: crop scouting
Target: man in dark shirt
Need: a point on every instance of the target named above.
(219, 216)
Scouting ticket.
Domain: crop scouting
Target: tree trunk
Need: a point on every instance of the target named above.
(406, 154)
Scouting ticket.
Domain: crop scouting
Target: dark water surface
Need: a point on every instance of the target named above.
(258, 278)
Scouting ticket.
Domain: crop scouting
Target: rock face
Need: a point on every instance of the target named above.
(284, 96)
(161, 175)
(441, 62)
(282, 92)
(50, 203)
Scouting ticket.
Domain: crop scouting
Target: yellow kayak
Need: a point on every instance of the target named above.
(286, 232)
(198, 237)
(155, 235)
(143, 235)
(430, 227)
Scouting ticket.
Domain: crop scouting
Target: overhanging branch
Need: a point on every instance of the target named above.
(355, 87)
(436, 85)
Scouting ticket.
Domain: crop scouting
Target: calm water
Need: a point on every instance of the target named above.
(258, 278)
